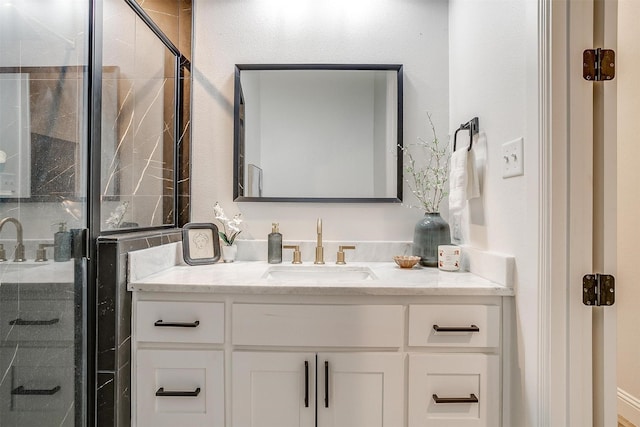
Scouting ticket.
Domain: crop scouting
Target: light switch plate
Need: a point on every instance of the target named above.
(512, 158)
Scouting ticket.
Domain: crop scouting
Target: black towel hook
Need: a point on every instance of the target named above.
(472, 126)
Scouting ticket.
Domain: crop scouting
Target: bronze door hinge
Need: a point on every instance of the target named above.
(598, 289)
(598, 64)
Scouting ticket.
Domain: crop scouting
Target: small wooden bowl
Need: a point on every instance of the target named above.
(406, 261)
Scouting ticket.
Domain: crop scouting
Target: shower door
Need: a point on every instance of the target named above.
(44, 71)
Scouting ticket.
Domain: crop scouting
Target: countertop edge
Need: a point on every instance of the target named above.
(321, 290)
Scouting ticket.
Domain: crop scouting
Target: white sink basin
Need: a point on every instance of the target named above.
(319, 273)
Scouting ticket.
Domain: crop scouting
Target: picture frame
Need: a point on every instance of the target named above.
(200, 243)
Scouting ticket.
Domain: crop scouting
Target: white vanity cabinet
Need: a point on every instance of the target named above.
(309, 360)
(341, 388)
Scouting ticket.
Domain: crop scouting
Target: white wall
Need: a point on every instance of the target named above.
(493, 54)
(307, 31)
(488, 68)
(628, 289)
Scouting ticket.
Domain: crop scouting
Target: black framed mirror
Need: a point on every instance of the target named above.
(318, 133)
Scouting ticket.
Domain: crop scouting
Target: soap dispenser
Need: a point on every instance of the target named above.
(62, 244)
(274, 251)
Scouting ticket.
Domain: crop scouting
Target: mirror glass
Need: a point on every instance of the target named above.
(318, 133)
(40, 157)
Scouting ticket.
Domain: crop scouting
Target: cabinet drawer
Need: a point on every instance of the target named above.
(38, 388)
(179, 388)
(318, 325)
(38, 320)
(184, 322)
(459, 390)
(454, 325)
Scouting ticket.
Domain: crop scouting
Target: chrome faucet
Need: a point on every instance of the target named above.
(319, 248)
(19, 254)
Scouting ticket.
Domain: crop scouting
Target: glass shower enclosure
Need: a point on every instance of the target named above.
(44, 71)
(92, 125)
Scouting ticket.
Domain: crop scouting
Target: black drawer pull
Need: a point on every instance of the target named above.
(326, 384)
(163, 393)
(472, 328)
(21, 322)
(177, 324)
(471, 399)
(306, 384)
(21, 391)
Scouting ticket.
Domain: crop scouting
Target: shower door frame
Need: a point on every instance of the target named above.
(93, 131)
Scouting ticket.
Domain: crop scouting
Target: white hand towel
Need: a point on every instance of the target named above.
(473, 183)
(458, 180)
(463, 179)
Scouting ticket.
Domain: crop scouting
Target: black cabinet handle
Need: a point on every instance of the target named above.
(163, 393)
(21, 391)
(21, 322)
(472, 328)
(471, 399)
(326, 384)
(306, 384)
(177, 324)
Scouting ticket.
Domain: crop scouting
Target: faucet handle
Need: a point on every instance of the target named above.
(297, 255)
(3, 253)
(340, 256)
(41, 252)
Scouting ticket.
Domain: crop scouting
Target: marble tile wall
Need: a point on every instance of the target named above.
(138, 155)
(114, 322)
(174, 18)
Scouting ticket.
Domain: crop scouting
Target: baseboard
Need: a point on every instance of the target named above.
(629, 407)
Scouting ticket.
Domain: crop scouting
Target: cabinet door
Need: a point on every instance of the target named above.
(273, 389)
(454, 390)
(179, 388)
(360, 389)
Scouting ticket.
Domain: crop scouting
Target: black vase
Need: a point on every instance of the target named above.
(430, 232)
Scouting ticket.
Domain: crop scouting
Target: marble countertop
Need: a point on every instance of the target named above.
(251, 277)
(36, 272)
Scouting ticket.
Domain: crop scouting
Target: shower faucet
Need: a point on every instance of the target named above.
(19, 253)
